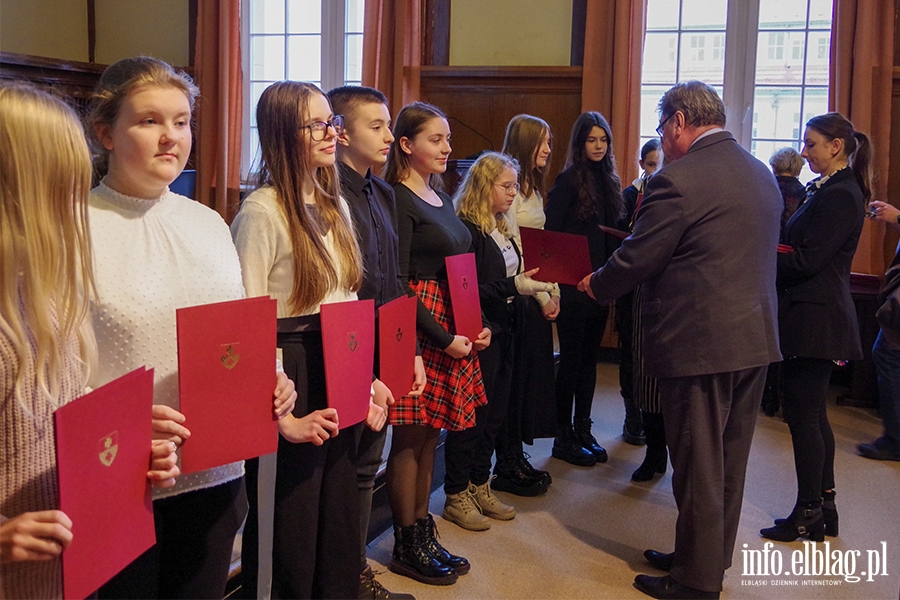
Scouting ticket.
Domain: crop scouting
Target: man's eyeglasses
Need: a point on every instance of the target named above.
(510, 188)
(659, 128)
(317, 129)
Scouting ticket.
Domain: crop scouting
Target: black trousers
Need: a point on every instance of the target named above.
(805, 391)
(369, 456)
(194, 541)
(315, 512)
(467, 453)
(709, 421)
(580, 328)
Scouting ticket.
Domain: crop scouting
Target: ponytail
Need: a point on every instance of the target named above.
(861, 163)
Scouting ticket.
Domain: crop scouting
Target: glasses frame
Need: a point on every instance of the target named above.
(319, 128)
(510, 188)
(659, 128)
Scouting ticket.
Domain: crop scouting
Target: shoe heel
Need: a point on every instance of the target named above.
(818, 535)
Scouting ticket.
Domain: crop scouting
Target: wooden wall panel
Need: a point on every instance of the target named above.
(480, 101)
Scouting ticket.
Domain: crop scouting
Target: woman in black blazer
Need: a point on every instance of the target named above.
(817, 320)
(483, 198)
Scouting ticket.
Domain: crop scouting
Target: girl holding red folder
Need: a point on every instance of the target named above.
(296, 243)
(47, 346)
(429, 231)
(154, 252)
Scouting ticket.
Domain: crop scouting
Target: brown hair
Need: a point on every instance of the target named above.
(347, 99)
(117, 81)
(857, 146)
(590, 198)
(284, 164)
(524, 136)
(409, 123)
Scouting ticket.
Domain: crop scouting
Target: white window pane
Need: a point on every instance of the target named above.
(818, 58)
(356, 13)
(662, 14)
(353, 57)
(256, 90)
(815, 103)
(774, 61)
(304, 57)
(782, 14)
(820, 14)
(650, 95)
(705, 14)
(697, 59)
(266, 16)
(776, 113)
(304, 16)
(659, 58)
(267, 57)
(255, 157)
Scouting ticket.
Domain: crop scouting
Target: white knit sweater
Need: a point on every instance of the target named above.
(152, 257)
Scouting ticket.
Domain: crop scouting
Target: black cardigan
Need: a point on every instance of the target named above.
(494, 286)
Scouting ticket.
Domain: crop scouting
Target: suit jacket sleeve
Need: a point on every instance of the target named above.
(649, 249)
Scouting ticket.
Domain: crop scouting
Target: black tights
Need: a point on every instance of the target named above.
(805, 391)
(410, 469)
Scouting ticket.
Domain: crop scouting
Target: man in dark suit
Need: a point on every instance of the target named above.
(704, 248)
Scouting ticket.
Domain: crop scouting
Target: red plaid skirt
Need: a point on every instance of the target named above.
(454, 385)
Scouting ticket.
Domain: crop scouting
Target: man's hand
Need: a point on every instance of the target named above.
(585, 286)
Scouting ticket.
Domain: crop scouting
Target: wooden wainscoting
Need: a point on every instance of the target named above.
(480, 101)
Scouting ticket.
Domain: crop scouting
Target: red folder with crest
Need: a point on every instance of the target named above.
(348, 345)
(561, 257)
(462, 278)
(226, 376)
(102, 456)
(397, 344)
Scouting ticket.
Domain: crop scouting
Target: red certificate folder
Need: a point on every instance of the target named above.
(348, 345)
(397, 344)
(562, 257)
(102, 457)
(226, 375)
(462, 278)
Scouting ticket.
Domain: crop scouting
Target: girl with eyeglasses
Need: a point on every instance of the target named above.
(588, 193)
(532, 408)
(429, 231)
(296, 244)
(482, 201)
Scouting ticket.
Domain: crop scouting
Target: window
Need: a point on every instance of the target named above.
(319, 41)
(785, 44)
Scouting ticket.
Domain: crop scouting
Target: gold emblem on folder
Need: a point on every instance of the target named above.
(352, 342)
(109, 447)
(465, 283)
(231, 357)
(399, 335)
(546, 254)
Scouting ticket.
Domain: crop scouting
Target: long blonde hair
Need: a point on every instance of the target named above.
(474, 198)
(45, 271)
(284, 164)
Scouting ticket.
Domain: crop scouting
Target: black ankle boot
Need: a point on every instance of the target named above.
(588, 441)
(829, 513)
(654, 462)
(566, 447)
(522, 461)
(427, 531)
(413, 560)
(512, 477)
(806, 520)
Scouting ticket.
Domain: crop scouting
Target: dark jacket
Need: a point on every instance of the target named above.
(704, 248)
(815, 310)
(494, 286)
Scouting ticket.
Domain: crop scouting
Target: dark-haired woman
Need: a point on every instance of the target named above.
(817, 320)
(588, 193)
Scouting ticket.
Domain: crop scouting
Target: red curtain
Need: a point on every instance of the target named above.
(862, 56)
(220, 106)
(392, 49)
(611, 81)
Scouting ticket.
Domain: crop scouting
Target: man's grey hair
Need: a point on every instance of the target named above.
(699, 103)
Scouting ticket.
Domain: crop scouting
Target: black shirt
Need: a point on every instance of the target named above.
(374, 213)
